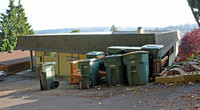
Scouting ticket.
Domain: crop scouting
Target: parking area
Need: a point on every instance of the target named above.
(21, 91)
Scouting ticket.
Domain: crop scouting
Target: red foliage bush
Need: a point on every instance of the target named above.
(189, 44)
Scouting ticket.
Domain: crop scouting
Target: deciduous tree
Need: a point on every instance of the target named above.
(189, 44)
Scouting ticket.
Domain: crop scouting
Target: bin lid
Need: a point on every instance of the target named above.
(89, 60)
(136, 52)
(132, 48)
(117, 47)
(47, 63)
(123, 47)
(112, 56)
(152, 46)
(95, 53)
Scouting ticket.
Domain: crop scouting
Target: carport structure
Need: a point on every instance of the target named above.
(68, 47)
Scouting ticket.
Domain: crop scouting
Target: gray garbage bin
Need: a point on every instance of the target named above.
(46, 73)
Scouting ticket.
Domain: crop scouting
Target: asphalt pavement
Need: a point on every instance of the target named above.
(21, 91)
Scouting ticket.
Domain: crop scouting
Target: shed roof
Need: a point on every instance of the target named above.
(86, 42)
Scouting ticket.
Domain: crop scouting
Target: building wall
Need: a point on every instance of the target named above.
(63, 64)
(171, 59)
(74, 58)
(173, 55)
(62, 67)
(39, 57)
(82, 56)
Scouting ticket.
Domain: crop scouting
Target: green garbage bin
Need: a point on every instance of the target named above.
(113, 50)
(114, 69)
(155, 52)
(137, 66)
(46, 73)
(90, 69)
(94, 54)
(131, 49)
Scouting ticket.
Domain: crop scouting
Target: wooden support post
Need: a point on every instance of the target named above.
(31, 60)
(72, 71)
(155, 62)
(154, 68)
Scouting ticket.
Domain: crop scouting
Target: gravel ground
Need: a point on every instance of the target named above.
(21, 91)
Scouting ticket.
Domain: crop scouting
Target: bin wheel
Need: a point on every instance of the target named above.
(54, 84)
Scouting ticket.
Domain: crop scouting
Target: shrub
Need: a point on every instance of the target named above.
(189, 45)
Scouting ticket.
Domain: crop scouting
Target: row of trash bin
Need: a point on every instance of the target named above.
(123, 64)
(132, 66)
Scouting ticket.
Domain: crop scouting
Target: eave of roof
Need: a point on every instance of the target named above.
(104, 33)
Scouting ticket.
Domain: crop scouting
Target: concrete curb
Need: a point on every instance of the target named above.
(187, 77)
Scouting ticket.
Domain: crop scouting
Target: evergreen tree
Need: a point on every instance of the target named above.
(195, 8)
(23, 27)
(113, 28)
(13, 24)
(8, 28)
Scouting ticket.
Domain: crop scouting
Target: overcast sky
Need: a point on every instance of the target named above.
(54, 14)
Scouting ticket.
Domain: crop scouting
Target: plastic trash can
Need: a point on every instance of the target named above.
(137, 66)
(114, 69)
(46, 73)
(155, 52)
(114, 50)
(90, 69)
